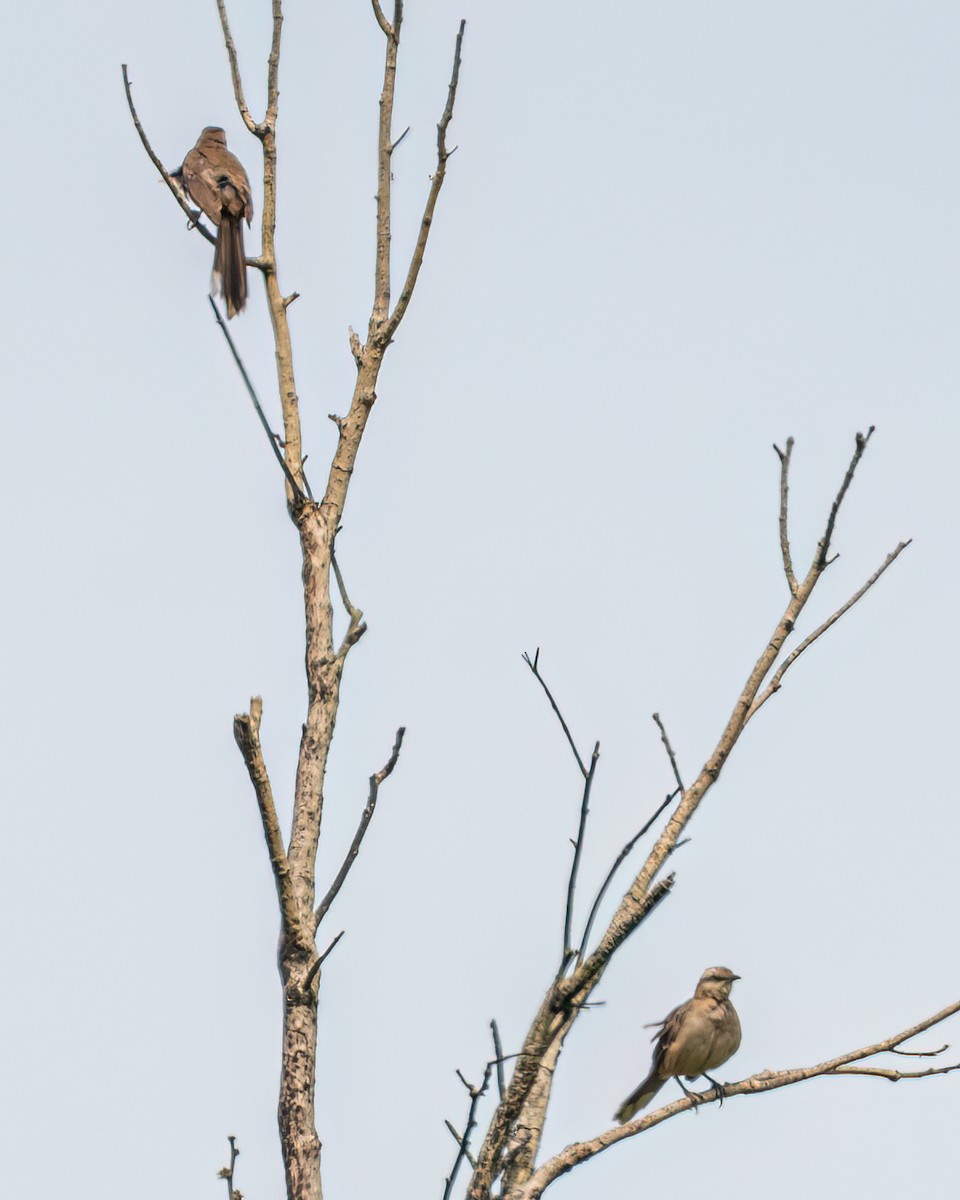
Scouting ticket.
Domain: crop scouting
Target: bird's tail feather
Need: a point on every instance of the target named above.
(639, 1098)
(229, 265)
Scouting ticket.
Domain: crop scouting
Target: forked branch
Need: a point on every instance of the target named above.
(774, 684)
(443, 155)
(463, 1140)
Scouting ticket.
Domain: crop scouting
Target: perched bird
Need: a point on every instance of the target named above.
(696, 1037)
(216, 181)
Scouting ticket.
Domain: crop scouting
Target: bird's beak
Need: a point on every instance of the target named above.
(732, 977)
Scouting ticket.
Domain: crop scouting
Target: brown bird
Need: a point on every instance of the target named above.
(216, 181)
(694, 1039)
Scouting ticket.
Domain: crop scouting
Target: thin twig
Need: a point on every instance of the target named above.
(226, 1173)
(670, 753)
(272, 438)
(320, 960)
(463, 1151)
(584, 941)
(784, 456)
(443, 154)
(458, 1138)
(246, 731)
(351, 856)
(498, 1056)
(178, 193)
(894, 1076)
(533, 664)
(568, 952)
(823, 548)
(775, 683)
(399, 139)
(923, 1053)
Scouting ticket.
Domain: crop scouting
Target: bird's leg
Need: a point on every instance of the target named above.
(694, 1096)
(721, 1093)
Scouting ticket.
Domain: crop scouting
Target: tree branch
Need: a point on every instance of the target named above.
(365, 817)
(775, 683)
(533, 664)
(226, 1173)
(443, 155)
(498, 1056)
(784, 456)
(382, 20)
(669, 750)
(192, 215)
(250, 123)
(765, 1081)
(568, 995)
(296, 491)
(273, 71)
(823, 549)
(246, 731)
(645, 828)
(381, 288)
(568, 951)
(357, 627)
(463, 1151)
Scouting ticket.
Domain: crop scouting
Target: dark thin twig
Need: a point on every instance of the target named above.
(321, 959)
(192, 214)
(464, 1143)
(226, 1173)
(670, 753)
(532, 663)
(365, 816)
(568, 951)
(498, 1056)
(298, 493)
(581, 954)
(784, 456)
(395, 144)
(860, 446)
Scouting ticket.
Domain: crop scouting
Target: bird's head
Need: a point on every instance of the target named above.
(716, 983)
(213, 135)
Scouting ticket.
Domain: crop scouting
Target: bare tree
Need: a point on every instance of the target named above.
(506, 1159)
(317, 522)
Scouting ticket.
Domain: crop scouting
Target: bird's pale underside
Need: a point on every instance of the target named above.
(695, 1038)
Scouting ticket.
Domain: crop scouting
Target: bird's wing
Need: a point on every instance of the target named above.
(200, 182)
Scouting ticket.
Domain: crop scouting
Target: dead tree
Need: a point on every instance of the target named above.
(506, 1159)
(317, 520)
(506, 1162)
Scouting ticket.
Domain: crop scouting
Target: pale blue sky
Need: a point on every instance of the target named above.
(673, 233)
